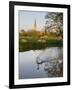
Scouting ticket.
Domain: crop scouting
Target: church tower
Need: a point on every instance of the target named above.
(34, 25)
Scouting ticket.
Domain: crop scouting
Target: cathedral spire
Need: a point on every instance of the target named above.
(34, 25)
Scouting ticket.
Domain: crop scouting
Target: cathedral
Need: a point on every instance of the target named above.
(34, 26)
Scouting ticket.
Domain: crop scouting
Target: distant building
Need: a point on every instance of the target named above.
(34, 26)
(21, 31)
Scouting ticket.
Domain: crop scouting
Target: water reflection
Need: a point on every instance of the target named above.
(41, 63)
(53, 61)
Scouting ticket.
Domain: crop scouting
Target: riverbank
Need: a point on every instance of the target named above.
(39, 44)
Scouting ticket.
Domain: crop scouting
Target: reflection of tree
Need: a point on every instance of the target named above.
(52, 66)
(55, 21)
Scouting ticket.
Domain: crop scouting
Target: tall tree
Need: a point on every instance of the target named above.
(54, 19)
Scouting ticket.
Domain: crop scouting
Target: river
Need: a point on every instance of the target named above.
(37, 63)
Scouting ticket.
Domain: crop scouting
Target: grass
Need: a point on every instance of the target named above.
(38, 40)
(33, 45)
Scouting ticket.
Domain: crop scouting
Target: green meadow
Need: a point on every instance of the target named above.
(33, 40)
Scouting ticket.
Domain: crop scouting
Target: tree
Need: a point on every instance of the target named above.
(54, 19)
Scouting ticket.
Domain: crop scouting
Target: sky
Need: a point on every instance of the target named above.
(26, 19)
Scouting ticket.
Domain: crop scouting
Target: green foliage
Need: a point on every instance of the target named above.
(38, 40)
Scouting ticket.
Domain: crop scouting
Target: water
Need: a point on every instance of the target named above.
(37, 63)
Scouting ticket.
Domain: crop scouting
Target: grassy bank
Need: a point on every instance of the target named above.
(38, 44)
(33, 40)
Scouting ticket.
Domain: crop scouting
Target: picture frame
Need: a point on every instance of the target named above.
(21, 15)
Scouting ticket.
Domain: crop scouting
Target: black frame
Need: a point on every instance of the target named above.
(11, 44)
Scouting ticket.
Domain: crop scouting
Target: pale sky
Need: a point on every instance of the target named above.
(26, 19)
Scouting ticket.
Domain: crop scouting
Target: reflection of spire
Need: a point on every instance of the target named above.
(34, 25)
